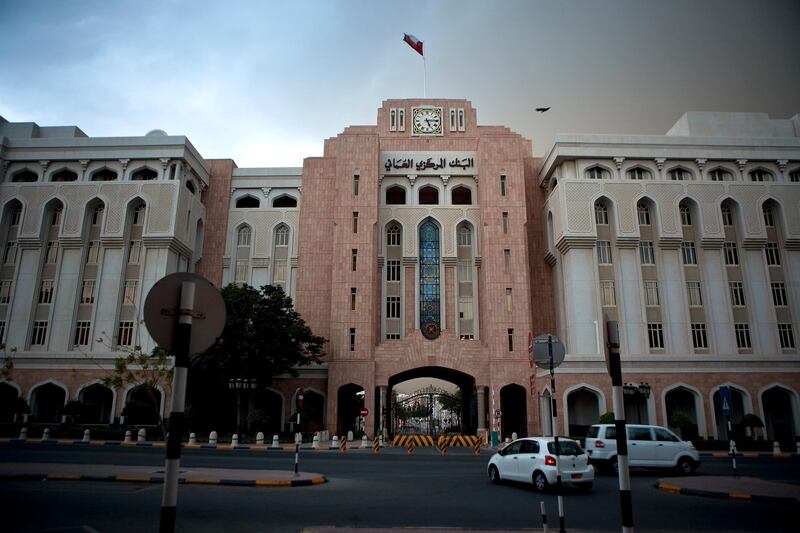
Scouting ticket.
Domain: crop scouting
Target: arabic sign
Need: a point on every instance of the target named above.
(429, 163)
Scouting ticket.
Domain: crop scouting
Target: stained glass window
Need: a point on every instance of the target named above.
(429, 310)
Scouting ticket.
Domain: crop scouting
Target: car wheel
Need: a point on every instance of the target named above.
(494, 474)
(540, 481)
(585, 487)
(685, 466)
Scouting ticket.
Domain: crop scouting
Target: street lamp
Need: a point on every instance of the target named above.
(239, 385)
(636, 391)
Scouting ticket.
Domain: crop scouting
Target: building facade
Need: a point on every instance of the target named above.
(429, 246)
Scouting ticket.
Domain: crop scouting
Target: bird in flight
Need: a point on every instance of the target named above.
(542, 109)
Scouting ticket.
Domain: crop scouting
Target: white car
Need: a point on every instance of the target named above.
(648, 446)
(534, 460)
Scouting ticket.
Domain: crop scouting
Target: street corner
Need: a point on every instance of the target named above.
(730, 488)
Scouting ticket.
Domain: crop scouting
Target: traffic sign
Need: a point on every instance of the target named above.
(498, 414)
(726, 400)
(363, 412)
(541, 352)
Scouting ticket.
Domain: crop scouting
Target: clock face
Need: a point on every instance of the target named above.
(427, 120)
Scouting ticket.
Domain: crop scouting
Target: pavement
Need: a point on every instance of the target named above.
(730, 488)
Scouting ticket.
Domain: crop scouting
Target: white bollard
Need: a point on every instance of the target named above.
(349, 436)
(128, 438)
(514, 436)
(234, 440)
(259, 438)
(776, 448)
(46, 434)
(364, 442)
(298, 438)
(335, 443)
(276, 443)
(142, 436)
(87, 436)
(192, 438)
(212, 438)
(23, 434)
(315, 442)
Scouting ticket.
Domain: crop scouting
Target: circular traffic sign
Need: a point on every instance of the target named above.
(541, 352)
(363, 412)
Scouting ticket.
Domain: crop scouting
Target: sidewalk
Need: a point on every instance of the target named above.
(730, 488)
(155, 474)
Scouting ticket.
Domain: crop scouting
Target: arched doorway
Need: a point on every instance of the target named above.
(8, 402)
(97, 401)
(350, 400)
(682, 400)
(514, 411)
(583, 410)
(738, 408)
(143, 406)
(313, 411)
(267, 412)
(779, 416)
(47, 402)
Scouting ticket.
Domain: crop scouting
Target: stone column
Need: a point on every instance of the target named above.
(67, 286)
(580, 300)
(481, 397)
(384, 411)
(108, 294)
(672, 292)
(629, 301)
(716, 300)
(759, 299)
(24, 290)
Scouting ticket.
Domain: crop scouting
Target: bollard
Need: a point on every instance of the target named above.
(260, 438)
(87, 436)
(23, 434)
(128, 438)
(298, 438)
(376, 445)
(46, 434)
(142, 436)
(235, 440)
(514, 436)
(335, 443)
(192, 438)
(478, 445)
(776, 448)
(443, 446)
(315, 442)
(276, 443)
(343, 444)
(410, 446)
(212, 438)
(544, 516)
(350, 436)
(364, 442)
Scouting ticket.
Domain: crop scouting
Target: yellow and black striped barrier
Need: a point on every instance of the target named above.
(442, 446)
(478, 445)
(418, 440)
(376, 445)
(343, 445)
(410, 445)
(461, 440)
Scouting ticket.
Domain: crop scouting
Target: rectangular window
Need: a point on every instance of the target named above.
(651, 293)
(241, 271)
(94, 252)
(355, 221)
(46, 292)
(505, 222)
(401, 119)
(773, 254)
(507, 260)
(356, 180)
(56, 218)
(82, 329)
(731, 253)
(393, 119)
(16, 216)
(694, 294)
(604, 253)
(393, 270)
(460, 119)
(354, 259)
(243, 237)
(699, 336)
(779, 294)
(644, 215)
(608, 297)
(353, 292)
(600, 215)
(10, 256)
(453, 120)
(787, 335)
(502, 185)
(39, 333)
(509, 300)
(510, 339)
(97, 215)
(742, 335)
(464, 271)
(727, 216)
(279, 275)
(125, 333)
(352, 339)
(393, 307)
(392, 336)
(737, 293)
(129, 295)
(135, 252)
(51, 254)
(465, 308)
(647, 253)
(2, 330)
(689, 253)
(655, 335)
(5, 292)
(138, 216)
(87, 292)
(769, 220)
(464, 236)
(686, 216)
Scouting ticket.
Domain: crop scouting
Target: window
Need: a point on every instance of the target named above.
(651, 293)
(46, 292)
(282, 236)
(505, 222)
(794, 176)
(608, 297)
(82, 329)
(354, 259)
(510, 333)
(248, 202)
(509, 300)
(393, 236)
(104, 174)
(243, 239)
(679, 174)
(240, 276)
(393, 119)
(786, 335)
(55, 219)
(39, 333)
(97, 215)
(686, 215)
(600, 214)
(647, 253)
(769, 220)
(135, 252)
(464, 271)
(503, 185)
(138, 215)
(655, 335)
(5, 292)
(664, 435)
(507, 260)
(10, 257)
(284, 201)
(638, 174)
(604, 253)
(93, 253)
(87, 292)
(125, 333)
(453, 126)
(393, 270)
(461, 196)
(689, 253)
(644, 215)
(731, 253)
(129, 294)
(737, 293)
(279, 273)
(352, 339)
(720, 175)
(16, 216)
(51, 253)
(727, 216)
(596, 173)
(779, 294)
(428, 196)
(465, 307)
(353, 292)
(2, 330)
(395, 196)
(393, 307)
(464, 236)
(356, 180)
(742, 335)
(760, 175)
(401, 119)
(460, 119)
(699, 336)
(694, 294)
(392, 336)
(773, 254)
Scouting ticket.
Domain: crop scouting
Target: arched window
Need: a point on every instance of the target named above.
(144, 174)
(104, 174)
(282, 236)
(727, 215)
(679, 174)
(284, 201)
(644, 214)
(600, 214)
(639, 173)
(190, 186)
(429, 195)
(720, 174)
(769, 219)
(760, 175)
(794, 176)
(248, 202)
(686, 214)
(429, 287)
(64, 175)
(138, 213)
(597, 173)
(464, 235)
(393, 235)
(25, 176)
(395, 195)
(461, 196)
(243, 237)
(280, 257)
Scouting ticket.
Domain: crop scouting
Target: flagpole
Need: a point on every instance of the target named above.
(424, 77)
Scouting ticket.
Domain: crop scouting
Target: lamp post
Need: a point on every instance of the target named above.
(239, 385)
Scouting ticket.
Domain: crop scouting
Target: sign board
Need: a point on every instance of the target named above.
(425, 163)
(162, 309)
(363, 412)
(498, 414)
(541, 352)
(726, 400)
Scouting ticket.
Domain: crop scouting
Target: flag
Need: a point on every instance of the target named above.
(414, 43)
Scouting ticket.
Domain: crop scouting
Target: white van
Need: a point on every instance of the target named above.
(648, 446)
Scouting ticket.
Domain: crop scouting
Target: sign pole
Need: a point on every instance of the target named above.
(555, 434)
(183, 336)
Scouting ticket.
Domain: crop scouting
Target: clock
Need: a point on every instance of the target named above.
(426, 121)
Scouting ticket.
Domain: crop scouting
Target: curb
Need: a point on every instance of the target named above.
(781, 455)
(181, 481)
(738, 496)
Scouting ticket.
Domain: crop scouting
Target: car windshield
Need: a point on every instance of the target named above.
(568, 447)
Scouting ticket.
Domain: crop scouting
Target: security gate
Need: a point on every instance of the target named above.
(427, 411)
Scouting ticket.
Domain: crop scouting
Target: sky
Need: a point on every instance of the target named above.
(264, 83)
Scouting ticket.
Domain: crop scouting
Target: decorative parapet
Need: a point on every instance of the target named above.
(260, 262)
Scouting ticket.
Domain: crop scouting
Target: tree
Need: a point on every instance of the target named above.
(681, 421)
(606, 418)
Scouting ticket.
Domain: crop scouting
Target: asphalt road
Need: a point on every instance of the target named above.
(364, 490)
